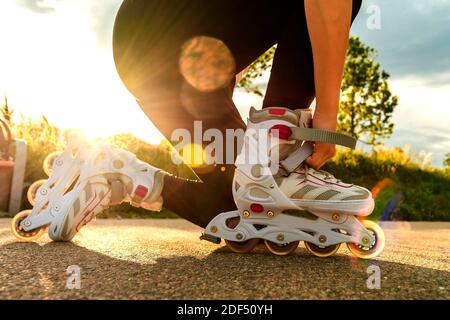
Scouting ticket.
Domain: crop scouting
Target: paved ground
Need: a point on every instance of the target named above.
(163, 259)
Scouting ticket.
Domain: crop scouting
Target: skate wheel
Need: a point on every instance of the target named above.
(242, 247)
(322, 252)
(281, 249)
(32, 191)
(375, 247)
(48, 162)
(22, 235)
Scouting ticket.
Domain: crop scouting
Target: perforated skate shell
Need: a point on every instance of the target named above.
(266, 212)
(87, 178)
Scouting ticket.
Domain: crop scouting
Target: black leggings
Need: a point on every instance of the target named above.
(148, 36)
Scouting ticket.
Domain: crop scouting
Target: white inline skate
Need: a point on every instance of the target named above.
(282, 201)
(84, 180)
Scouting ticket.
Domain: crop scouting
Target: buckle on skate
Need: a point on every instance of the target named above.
(296, 158)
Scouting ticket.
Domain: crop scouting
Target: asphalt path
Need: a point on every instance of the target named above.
(164, 259)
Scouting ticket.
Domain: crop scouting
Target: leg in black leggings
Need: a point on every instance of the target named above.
(148, 36)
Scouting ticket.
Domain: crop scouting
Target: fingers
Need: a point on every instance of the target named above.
(321, 154)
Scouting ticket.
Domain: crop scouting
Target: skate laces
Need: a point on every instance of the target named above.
(328, 176)
(325, 174)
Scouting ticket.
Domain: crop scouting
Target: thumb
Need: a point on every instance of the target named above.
(315, 161)
(310, 160)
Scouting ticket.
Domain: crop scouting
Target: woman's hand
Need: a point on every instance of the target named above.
(322, 151)
(328, 26)
(321, 154)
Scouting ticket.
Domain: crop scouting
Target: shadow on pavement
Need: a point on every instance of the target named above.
(40, 273)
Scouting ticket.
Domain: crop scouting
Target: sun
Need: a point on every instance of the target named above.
(54, 65)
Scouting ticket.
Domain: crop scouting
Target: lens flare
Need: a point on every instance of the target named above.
(206, 63)
(193, 155)
(379, 186)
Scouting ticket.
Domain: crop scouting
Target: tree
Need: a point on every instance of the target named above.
(256, 70)
(447, 160)
(367, 103)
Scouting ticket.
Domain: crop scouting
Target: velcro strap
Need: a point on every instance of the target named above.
(320, 135)
(297, 157)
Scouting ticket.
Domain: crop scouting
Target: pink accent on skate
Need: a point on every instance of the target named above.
(277, 112)
(281, 131)
(141, 191)
(307, 180)
(256, 207)
(91, 205)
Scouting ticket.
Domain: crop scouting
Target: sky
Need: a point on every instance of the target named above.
(56, 60)
(414, 48)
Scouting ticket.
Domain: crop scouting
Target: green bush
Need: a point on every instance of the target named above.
(42, 139)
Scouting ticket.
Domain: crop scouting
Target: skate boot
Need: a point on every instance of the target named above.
(84, 180)
(282, 201)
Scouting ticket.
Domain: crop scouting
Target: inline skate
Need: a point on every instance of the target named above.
(282, 201)
(84, 180)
